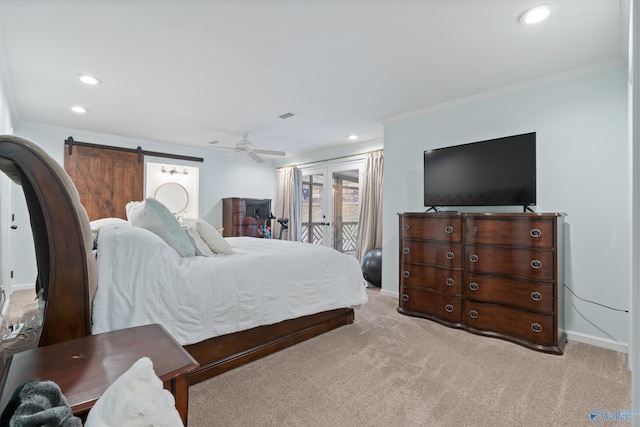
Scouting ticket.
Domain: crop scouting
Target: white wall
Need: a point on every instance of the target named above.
(5, 198)
(583, 171)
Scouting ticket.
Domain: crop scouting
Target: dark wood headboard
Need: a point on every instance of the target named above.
(67, 270)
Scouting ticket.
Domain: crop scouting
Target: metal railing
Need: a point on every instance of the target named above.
(344, 239)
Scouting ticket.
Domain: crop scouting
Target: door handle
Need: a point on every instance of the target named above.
(14, 227)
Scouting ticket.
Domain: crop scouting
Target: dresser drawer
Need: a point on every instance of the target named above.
(535, 296)
(443, 228)
(532, 327)
(447, 308)
(439, 279)
(447, 255)
(535, 264)
(523, 231)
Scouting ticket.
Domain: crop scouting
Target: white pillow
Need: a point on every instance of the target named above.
(200, 245)
(214, 240)
(156, 217)
(135, 399)
(97, 224)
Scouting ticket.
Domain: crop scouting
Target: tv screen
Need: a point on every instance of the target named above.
(496, 172)
(258, 208)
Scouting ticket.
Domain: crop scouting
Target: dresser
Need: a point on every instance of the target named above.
(498, 275)
(235, 220)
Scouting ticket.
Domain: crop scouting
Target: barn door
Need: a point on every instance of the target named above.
(106, 179)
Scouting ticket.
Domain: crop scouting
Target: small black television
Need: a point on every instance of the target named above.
(495, 172)
(258, 208)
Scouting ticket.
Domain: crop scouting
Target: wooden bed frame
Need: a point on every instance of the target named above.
(67, 269)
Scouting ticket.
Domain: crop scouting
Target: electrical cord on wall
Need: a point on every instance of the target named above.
(596, 303)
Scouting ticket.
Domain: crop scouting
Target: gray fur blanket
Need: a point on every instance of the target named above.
(38, 403)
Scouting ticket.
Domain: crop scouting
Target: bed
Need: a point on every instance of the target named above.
(73, 281)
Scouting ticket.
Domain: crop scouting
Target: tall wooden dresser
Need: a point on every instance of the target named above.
(498, 275)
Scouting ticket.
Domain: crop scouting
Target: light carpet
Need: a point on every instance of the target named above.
(389, 369)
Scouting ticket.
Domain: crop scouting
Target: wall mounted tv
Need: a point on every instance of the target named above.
(495, 172)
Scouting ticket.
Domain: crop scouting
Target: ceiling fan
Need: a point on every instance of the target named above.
(244, 146)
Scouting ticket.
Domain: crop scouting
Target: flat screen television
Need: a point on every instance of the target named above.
(495, 172)
(258, 208)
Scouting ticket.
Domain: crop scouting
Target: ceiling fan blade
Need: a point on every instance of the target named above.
(255, 157)
(270, 152)
(225, 148)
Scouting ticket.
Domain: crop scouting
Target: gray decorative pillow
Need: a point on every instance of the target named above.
(156, 217)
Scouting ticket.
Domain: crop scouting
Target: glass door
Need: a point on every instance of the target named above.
(330, 206)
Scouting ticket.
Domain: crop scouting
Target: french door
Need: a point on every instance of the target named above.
(330, 205)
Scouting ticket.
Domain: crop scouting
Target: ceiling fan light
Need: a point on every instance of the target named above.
(536, 14)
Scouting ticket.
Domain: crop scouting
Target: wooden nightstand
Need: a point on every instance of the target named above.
(85, 367)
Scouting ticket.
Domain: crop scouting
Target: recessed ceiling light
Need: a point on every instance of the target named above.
(90, 80)
(352, 137)
(536, 14)
(79, 109)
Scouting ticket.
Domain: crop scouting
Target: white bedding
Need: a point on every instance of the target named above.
(142, 280)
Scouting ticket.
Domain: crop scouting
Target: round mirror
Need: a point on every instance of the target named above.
(174, 196)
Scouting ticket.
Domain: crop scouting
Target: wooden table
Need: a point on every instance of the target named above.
(85, 367)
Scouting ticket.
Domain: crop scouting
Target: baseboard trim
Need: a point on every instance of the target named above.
(24, 287)
(387, 293)
(597, 341)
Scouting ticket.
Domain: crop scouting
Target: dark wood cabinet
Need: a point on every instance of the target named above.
(498, 275)
(237, 222)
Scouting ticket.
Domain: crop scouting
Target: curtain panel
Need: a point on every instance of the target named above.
(370, 217)
(288, 204)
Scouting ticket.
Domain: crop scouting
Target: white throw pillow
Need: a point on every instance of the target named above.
(200, 245)
(135, 399)
(214, 240)
(156, 217)
(97, 224)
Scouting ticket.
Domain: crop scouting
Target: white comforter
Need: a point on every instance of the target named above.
(142, 280)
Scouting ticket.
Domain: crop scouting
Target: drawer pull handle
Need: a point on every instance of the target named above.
(536, 296)
(405, 274)
(406, 251)
(405, 297)
(535, 232)
(448, 229)
(449, 308)
(474, 258)
(536, 264)
(450, 255)
(473, 286)
(449, 281)
(473, 314)
(405, 227)
(536, 327)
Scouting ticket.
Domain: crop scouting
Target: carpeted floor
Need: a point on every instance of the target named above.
(389, 369)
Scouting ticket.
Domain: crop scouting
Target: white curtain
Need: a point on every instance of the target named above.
(288, 194)
(370, 217)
